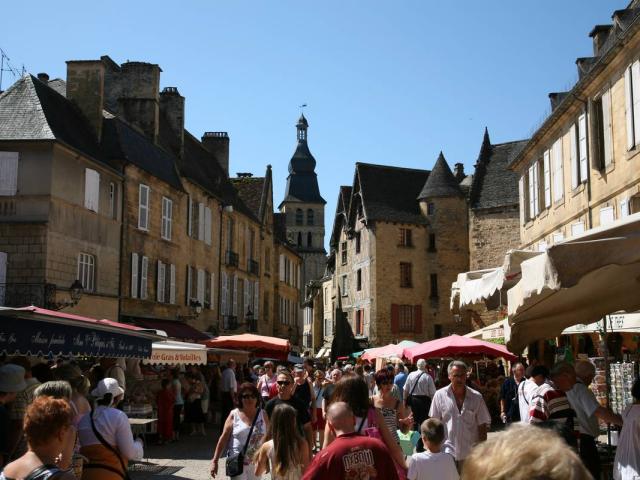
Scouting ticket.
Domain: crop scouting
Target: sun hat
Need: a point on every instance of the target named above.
(107, 385)
(12, 378)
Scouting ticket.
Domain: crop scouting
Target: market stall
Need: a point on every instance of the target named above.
(457, 346)
(171, 352)
(258, 345)
(388, 351)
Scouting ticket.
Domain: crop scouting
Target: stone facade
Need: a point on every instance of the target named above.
(492, 233)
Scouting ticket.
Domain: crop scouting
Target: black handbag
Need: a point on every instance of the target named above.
(234, 465)
(407, 401)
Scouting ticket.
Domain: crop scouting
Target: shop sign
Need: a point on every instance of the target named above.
(617, 322)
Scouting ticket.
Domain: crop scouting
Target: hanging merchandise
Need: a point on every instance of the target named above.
(622, 377)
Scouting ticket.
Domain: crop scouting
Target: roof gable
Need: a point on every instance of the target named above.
(441, 182)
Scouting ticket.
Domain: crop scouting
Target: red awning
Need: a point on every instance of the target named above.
(80, 318)
(173, 328)
(260, 345)
(454, 346)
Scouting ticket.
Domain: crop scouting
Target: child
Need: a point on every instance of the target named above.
(165, 401)
(432, 463)
(408, 438)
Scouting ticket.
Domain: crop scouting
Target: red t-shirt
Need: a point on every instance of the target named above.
(353, 457)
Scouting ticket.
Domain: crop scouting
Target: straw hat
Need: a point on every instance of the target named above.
(12, 378)
(107, 385)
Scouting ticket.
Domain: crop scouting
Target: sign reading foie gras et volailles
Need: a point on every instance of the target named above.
(28, 336)
(178, 357)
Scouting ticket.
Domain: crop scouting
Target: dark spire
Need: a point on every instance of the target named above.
(441, 182)
(485, 148)
(302, 127)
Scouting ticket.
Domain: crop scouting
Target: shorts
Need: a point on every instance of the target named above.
(320, 422)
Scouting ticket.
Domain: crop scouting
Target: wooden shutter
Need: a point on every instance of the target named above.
(200, 286)
(3, 276)
(573, 154)
(606, 216)
(582, 146)
(143, 207)
(189, 215)
(144, 267)
(547, 179)
(160, 282)
(246, 295)
(234, 305)
(635, 84)
(606, 128)
(207, 225)
(395, 318)
(558, 171)
(282, 267)
(201, 225)
(91, 189)
(628, 97)
(172, 284)
(8, 173)
(134, 275)
(188, 292)
(417, 319)
(224, 293)
(624, 208)
(256, 299)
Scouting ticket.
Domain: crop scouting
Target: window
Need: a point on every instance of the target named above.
(432, 242)
(299, 216)
(326, 296)
(534, 188)
(299, 239)
(431, 208)
(344, 285)
(310, 218)
(632, 97)
(558, 175)
(577, 228)
(8, 173)
(357, 238)
(267, 261)
(86, 271)
(359, 279)
(405, 275)
(344, 252)
(405, 238)
(230, 234)
(434, 285)
(437, 330)
(546, 178)
(557, 237)
(309, 239)
(602, 119)
(207, 225)
(606, 215)
(91, 189)
(143, 207)
(112, 200)
(578, 138)
(167, 218)
(160, 279)
(624, 208)
(359, 322)
(405, 318)
(328, 327)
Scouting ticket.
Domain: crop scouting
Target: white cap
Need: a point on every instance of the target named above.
(107, 385)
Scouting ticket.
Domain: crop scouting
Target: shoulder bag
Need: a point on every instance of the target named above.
(234, 465)
(407, 401)
(124, 474)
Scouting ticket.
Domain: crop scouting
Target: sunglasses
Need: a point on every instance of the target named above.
(283, 383)
(247, 396)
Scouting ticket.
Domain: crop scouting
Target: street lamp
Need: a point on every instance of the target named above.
(250, 320)
(195, 308)
(75, 294)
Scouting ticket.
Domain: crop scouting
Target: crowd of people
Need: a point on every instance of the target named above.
(345, 421)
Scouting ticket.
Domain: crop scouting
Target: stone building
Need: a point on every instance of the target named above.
(303, 207)
(581, 168)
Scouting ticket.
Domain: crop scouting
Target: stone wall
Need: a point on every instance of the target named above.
(492, 232)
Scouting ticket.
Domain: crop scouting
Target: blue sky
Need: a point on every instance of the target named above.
(390, 82)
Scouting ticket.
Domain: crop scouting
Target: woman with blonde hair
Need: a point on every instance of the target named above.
(79, 385)
(287, 453)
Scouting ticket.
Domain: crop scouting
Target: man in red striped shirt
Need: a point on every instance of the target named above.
(550, 406)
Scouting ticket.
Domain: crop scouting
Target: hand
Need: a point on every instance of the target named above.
(214, 468)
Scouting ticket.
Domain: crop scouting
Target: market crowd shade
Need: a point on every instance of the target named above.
(457, 346)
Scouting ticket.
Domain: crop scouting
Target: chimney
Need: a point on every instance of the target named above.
(458, 172)
(556, 99)
(139, 101)
(217, 143)
(85, 87)
(43, 77)
(600, 34)
(172, 115)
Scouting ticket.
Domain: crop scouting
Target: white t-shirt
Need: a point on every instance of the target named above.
(626, 465)
(114, 427)
(585, 404)
(229, 382)
(525, 393)
(432, 466)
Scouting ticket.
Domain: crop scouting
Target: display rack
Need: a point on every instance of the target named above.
(622, 376)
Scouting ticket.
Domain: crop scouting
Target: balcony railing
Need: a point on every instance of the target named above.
(24, 294)
(231, 259)
(254, 267)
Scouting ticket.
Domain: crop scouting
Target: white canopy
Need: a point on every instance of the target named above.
(172, 352)
(616, 322)
(577, 281)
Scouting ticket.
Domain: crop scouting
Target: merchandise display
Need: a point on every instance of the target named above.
(622, 376)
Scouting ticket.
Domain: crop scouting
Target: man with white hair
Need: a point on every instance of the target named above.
(418, 391)
(588, 411)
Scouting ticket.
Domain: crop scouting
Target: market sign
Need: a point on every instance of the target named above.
(493, 333)
(617, 322)
(20, 336)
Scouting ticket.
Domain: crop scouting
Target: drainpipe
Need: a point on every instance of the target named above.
(123, 242)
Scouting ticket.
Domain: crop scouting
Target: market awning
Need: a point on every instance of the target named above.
(37, 331)
(577, 281)
(616, 322)
(173, 328)
(388, 351)
(260, 345)
(171, 352)
(457, 346)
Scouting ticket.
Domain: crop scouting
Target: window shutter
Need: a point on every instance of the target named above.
(582, 146)
(207, 225)
(395, 318)
(212, 296)
(547, 180)
(200, 221)
(624, 208)
(188, 292)
(299, 277)
(281, 267)
(189, 215)
(172, 284)
(256, 299)
(575, 164)
(417, 319)
(3, 276)
(8, 173)
(577, 229)
(200, 286)
(606, 216)
(628, 97)
(246, 295)
(223, 299)
(521, 198)
(635, 85)
(144, 267)
(134, 275)
(558, 172)
(91, 189)
(143, 207)
(606, 126)
(234, 306)
(159, 282)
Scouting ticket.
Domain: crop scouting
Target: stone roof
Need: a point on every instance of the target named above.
(389, 193)
(59, 85)
(342, 209)
(250, 190)
(441, 182)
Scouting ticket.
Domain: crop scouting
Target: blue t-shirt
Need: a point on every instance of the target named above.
(400, 379)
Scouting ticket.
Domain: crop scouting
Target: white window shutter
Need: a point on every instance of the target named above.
(628, 97)
(134, 275)
(212, 290)
(189, 286)
(144, 268)
(207, 225)
(256, 299)
(160, 280)
(606, 125)
(224, 293)
(606, 216)
(624, 207)
(189, 214)
(558, 171)
(299, 277)
(246, 295)
(143, 207)
(201, 221)
(583, 148)
(8, 173)
(234, 304)
(635, 83)
(172, 284)
(575, 164)
(282, 267)
(521, 198)
(3, 276)
(547, 179)
(201, 286)
(557, 237)
(577, 229)
(91, 189)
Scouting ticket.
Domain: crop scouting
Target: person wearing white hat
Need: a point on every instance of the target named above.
(105, 435)
(11, 382)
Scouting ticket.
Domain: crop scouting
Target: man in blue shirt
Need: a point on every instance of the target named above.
(400, 378)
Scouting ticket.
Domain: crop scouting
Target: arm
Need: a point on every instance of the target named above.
(305, 453)
(222, 443)
(262, 460)
(389, 441)
(129, 448)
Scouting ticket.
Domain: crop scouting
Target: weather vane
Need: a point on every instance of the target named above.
(301, 107)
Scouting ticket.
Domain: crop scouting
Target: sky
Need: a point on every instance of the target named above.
(386, 82)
